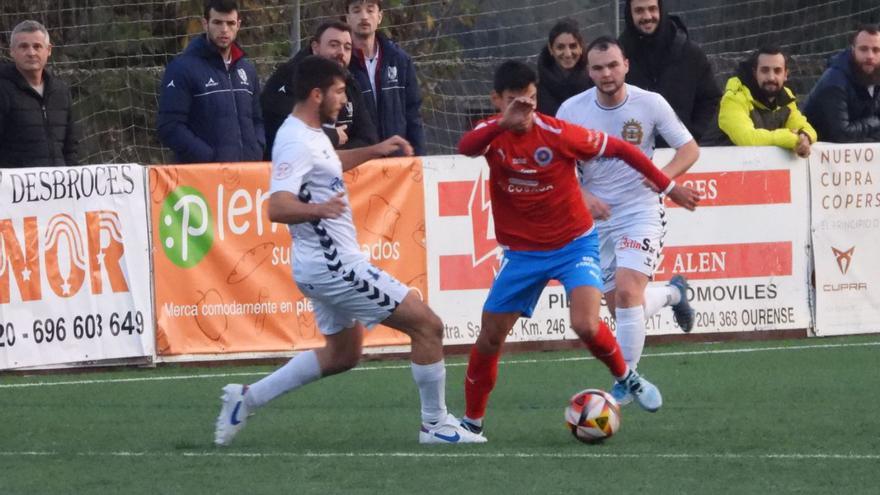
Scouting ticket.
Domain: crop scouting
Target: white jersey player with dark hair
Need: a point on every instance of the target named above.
(630, 216)
(348, 293)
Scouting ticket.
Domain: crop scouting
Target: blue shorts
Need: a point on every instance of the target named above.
(524, 274)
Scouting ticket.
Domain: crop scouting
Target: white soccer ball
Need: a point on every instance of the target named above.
(592, 415)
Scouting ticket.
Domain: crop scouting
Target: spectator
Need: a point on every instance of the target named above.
(386, 75)
(209, 107)
(562, 67)
(757, 109)
(36, 121)
(354, 128)
(845, 103)
(663, 59)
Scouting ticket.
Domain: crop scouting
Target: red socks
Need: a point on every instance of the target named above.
(605, 348)
(482, 371)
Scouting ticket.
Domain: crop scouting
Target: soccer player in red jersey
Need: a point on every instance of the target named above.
(546, 230)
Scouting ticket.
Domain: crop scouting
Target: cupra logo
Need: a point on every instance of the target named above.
(844, 258)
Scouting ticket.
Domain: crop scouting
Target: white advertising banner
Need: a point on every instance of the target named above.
(845, 185)
(744, 250)
(74, 266)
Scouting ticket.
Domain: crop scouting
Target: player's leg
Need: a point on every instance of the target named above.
(675, 295)
(577, 267)
(579, 272)
(514, 293)
(341, 352)
(482, 370)
(425, 329)
(630, 312)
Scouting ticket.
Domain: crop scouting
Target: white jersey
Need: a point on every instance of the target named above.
(638, 120)
(304, 163)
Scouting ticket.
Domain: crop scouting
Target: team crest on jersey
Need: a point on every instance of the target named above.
(283, 170)
(243, 76)
(392, 74)
(543, 156)
(632, 132)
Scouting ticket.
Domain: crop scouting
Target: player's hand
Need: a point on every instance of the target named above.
(517, 115)
(802, 149)
(598, 208)
(343, 136)
(684, 196)
(394, 145)
(332, 208)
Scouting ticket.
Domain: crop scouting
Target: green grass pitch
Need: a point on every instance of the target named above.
(797, 416)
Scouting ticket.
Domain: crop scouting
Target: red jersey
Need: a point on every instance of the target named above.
(536, 198)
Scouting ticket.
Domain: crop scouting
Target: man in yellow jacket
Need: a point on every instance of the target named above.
(757, 109)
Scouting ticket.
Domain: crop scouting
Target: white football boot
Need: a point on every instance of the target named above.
(448, 431)
(233, 414)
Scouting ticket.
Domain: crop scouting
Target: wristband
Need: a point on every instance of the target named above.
(669, 187)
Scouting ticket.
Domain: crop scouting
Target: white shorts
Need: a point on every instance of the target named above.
(634, 242)
(357, 292)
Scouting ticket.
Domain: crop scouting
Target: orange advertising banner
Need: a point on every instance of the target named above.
(223, 279)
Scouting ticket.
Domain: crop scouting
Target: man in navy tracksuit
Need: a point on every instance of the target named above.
(209, 105)
(386, 75)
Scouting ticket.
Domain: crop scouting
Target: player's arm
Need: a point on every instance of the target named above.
(516, 117)
(632, 156)
(292, 162)
(476, 142)
(684, 158)
(285, 207)
(391, 146)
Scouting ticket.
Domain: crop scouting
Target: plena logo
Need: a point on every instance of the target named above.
(69, 251)
(185, 227)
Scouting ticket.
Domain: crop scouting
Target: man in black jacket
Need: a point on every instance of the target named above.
(36, 122)
(844, 106)
(354, 128)
(663, 59)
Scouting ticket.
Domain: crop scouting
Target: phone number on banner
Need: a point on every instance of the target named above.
(80, 327)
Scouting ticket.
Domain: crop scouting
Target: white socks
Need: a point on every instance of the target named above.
(301, 370)
(304, 369)
(631, 333)
(431, 380)
(658, 296)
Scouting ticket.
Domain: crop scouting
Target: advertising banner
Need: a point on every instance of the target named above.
(744, 249)
(846, 231)
(74, 265)
(223, 279)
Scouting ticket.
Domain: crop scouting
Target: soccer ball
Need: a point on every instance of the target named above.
(592, 415)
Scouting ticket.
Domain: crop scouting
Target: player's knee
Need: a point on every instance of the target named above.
(428, 330)
(585, 328)
(347, 360)
(628, 297)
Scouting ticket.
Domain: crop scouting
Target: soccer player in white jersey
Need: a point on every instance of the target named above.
(348, 293)
(630, 216)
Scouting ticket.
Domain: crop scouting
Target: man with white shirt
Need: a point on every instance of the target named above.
(630, 216)
(348, 293)
(386, 75)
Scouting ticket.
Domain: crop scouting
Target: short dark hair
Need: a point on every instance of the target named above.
(566, 26)
(315, 72)
(769, 50)
(333, 24)
(603, 43)
(871, 29)
(513, 75)
(222, 6)
(349, 3)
